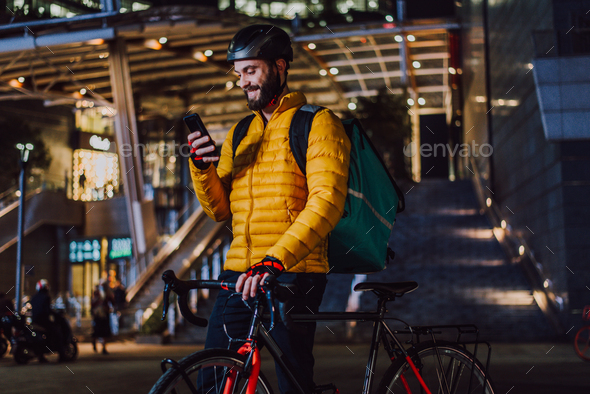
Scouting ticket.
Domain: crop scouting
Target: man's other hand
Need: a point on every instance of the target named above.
(249, 285)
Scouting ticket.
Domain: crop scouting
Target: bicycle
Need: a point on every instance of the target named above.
(432, 366)
(582, 338)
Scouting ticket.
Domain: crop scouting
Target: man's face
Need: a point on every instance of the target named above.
(258, 81)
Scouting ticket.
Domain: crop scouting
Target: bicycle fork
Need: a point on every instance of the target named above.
(254, 354)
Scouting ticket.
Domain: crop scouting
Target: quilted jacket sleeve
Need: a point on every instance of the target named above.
(328, 156)
(213, 184)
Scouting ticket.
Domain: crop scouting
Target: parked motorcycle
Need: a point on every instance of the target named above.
(3, 343)
(31, 341)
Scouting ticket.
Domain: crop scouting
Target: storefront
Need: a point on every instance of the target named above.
(95, 259)
(95, 170)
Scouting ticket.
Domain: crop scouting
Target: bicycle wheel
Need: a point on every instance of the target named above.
(582, 343)
(215, 363)
(452, 375)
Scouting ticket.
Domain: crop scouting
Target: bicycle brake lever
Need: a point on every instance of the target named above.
(165, 300)
(268, 287)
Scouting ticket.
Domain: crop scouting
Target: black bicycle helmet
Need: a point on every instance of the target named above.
(260, 42)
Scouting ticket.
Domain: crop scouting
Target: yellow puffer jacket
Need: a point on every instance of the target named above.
(276, 210)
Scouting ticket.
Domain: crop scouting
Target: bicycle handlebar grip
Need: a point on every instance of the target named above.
(172, 282)
(188, 314)
(285, 316)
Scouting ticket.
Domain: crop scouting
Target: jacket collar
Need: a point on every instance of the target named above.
(290, 100)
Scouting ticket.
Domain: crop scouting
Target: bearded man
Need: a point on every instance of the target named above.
(281, 218)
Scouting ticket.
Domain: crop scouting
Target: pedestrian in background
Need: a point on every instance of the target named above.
(102, 302)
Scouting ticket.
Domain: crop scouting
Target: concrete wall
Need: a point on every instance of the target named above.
(43, 251)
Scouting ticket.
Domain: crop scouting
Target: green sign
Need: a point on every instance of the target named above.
(84, 250)
(120, 248)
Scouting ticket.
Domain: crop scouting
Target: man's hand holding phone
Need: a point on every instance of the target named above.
(203, 150)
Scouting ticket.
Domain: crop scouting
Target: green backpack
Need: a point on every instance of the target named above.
(358, 243)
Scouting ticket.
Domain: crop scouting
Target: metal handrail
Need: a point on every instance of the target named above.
(545, 297)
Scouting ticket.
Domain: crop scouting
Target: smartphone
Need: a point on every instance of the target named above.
(194, 123)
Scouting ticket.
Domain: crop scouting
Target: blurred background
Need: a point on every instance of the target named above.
(480, 109)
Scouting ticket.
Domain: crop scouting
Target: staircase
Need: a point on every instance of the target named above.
(41, 207)
(189, 243)
(443, 243)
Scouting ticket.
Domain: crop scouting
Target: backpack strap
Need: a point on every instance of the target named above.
(240, 132)
(299, 133)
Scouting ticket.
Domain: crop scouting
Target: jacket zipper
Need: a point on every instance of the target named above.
(247, 225)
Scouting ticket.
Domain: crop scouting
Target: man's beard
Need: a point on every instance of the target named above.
(268, 89)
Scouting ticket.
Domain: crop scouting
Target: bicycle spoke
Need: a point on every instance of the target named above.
(445, 369)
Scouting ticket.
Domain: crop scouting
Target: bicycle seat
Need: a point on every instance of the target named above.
(395, 289)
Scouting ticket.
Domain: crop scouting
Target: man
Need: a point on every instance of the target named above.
(280, 217)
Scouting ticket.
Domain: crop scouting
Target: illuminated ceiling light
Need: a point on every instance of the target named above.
(163, 40)
(452, 71)
(521, 250)
(323, 23)
(334, 71)
(416, 64)
(480, 99)
(411, 38)
(512, 103)
(410, 101)
(200, 56)
(96, 41)
(15, 84)
(459, 71)
(311, 46)
(530, 66)
(389, 18)
(208, 52)
(21, 79)
(503, 224)
(229, 85)
(457, 123)
(489, 202)
(372, 4)
(421, 101)
(398, 38)
(349, 18)
(351, 106)
(82, 91)
(323, 72)
(152, 44)
(501, 102)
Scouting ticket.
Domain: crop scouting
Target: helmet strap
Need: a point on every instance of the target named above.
(275, 99)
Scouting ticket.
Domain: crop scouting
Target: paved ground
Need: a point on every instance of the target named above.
(544, 368)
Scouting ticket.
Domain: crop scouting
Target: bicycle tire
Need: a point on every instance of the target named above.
(582, 343)
(399, 377)
(220, 360)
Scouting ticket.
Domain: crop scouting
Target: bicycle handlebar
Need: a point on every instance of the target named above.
(270, 287)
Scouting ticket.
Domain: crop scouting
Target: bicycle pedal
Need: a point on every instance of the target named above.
(325, 387)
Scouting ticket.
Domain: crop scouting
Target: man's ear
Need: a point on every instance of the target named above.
(281, 65)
